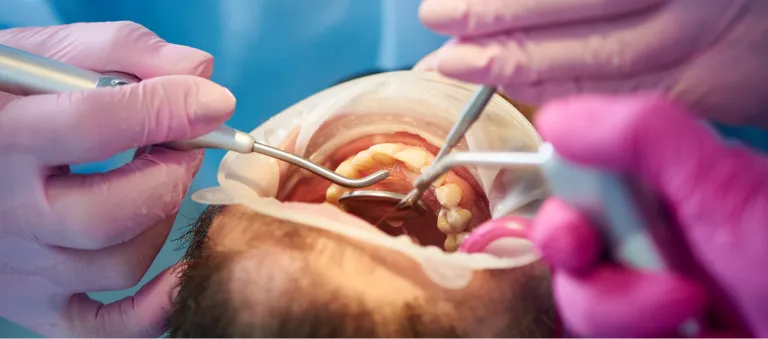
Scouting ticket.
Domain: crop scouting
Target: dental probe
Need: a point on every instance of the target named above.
(468, 117)
(637, 227)
(409, 206)
(23, 73)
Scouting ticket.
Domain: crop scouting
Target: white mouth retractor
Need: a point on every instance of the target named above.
(415, 98)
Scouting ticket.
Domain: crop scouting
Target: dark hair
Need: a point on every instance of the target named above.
(207, 306)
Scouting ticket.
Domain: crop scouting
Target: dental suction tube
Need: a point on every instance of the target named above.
(637, 225)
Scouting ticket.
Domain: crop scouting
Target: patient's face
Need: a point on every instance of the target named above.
(250, 275)
(253, 275)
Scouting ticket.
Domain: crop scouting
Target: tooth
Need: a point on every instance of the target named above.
(442, 222)
(453, 221)
(347, 169)
(383, 153)
(449, 195)
(383, 158)
(363, 160)
(439, 181)
(458, 219)
(413, 158)
(333, 193)
(450, 244)
(460, 238)
(387, 148)
(453, 242)
(395, 223)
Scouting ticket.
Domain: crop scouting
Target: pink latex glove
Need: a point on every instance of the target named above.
(63, 234)
(719, 193)
(709, 54)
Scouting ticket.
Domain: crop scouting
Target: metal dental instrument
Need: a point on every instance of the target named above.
(636, 225)
(409, 206)
(369, 204)
(401, 206)
(22, 73)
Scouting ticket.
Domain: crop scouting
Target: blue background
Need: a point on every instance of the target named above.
(270, 53)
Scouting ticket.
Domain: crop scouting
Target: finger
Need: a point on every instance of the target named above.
(614, 302)
(100, 210)
(565, 238)
(661, 143)
(93, 125)
(143, 315)
(540, 93)
(428, 63)
(467, 18)
(111, 46)
(82, 271)
(723, 334)
(649, 42)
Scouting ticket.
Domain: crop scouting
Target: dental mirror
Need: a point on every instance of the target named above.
(378, 205)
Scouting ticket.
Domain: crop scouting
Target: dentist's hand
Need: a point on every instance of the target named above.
(718, 192)
(709, 54)
(62, 234)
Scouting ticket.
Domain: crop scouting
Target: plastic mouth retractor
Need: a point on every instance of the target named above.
(421, 103)
(449, 270)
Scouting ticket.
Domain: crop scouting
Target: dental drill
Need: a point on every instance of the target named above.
(23, 73)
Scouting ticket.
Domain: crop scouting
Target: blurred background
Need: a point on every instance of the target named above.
(269, 53)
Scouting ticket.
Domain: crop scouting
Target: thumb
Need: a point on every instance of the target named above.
(661, 143)
(143, 315)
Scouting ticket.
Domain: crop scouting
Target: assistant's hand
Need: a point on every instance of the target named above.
(718, 192)
(64, 234)
(709, 54)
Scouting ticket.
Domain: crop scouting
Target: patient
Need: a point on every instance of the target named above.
(249, 274)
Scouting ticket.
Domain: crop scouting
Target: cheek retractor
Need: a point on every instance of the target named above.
(22, 73)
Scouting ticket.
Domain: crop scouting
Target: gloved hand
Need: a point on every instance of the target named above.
(718, 192)
(64, 234)
(708, 54)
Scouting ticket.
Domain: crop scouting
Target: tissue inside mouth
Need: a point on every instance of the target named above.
(455, 202)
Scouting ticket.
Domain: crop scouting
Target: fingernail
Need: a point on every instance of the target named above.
(440, 13)
(215, 103)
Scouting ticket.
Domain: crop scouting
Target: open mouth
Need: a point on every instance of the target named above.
(455, 204)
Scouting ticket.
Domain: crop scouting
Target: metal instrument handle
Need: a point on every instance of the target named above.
(223, 137)
(23, 73)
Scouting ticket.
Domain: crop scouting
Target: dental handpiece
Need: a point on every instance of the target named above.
(636, 225)
(23, 73)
